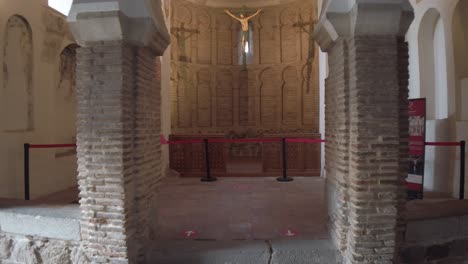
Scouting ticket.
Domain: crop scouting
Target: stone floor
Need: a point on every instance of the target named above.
(284, 251)
(242, 209)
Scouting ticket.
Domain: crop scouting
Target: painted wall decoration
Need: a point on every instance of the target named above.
(17, 71)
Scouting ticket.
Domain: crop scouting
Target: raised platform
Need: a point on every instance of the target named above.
(53, 216)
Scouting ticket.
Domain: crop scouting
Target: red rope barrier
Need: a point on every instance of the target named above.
(446, 144)
(305, 140)
(243, 140)
(45, 146)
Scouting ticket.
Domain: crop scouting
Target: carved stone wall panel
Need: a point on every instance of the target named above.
(224, 99)
(204, 98)
(174, 95)
(244, 98)
(269, 94)
(307, 18)
(268, 41)
(204, 37)
(290, 106)
(290, 47)
(184, 102)
(218, 94)
(224, 39)
(17, 95)
(310, 96)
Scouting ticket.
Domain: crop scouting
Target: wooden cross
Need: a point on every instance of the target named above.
(181, 33)
(244, 10)
(303, 24)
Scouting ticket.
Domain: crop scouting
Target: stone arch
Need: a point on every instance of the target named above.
(460, 42)
(65, 96)
(290, 104)
(433, 64)
(17, 104)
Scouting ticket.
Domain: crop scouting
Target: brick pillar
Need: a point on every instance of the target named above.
(374, 167)
(366, 128)
(337, 147)
(119, 106)
(118, 147)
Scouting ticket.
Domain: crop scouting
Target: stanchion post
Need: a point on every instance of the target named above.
(285, 177)
(26, 171)
(462, 169)
(208, 177)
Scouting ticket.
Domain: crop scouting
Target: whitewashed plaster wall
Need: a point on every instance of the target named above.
(51, 170)
(437, 77)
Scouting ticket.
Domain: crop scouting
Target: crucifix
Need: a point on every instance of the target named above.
(182, 34)
(244, 20)
(308, 28)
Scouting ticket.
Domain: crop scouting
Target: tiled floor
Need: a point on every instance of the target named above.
(242, 208)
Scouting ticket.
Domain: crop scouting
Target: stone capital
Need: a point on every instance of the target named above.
(363, 17)
(139, 22)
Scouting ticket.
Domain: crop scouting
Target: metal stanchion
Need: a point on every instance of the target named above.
(26, 171)
(462, 169)
(208, 177)
(285, 177)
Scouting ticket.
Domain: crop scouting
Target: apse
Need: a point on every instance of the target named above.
(241, 70)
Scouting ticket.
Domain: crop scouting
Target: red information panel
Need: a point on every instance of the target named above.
(417, 139)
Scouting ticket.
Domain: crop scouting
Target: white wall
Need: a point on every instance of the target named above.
(51, 170)
(433, 75)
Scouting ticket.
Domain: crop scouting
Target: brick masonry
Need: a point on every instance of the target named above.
(366, 105)
(118, 89)
(337, 134)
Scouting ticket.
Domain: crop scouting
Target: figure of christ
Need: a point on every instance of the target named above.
(182, 34)
(245, 24)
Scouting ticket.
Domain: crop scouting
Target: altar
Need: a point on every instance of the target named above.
(261, 159)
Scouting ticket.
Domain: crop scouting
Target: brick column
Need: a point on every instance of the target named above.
(119, 155)
(337, 147)
(366, 128)
(374, 168)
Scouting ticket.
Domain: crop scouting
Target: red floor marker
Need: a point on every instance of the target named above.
(190, 234)
(289, 233)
